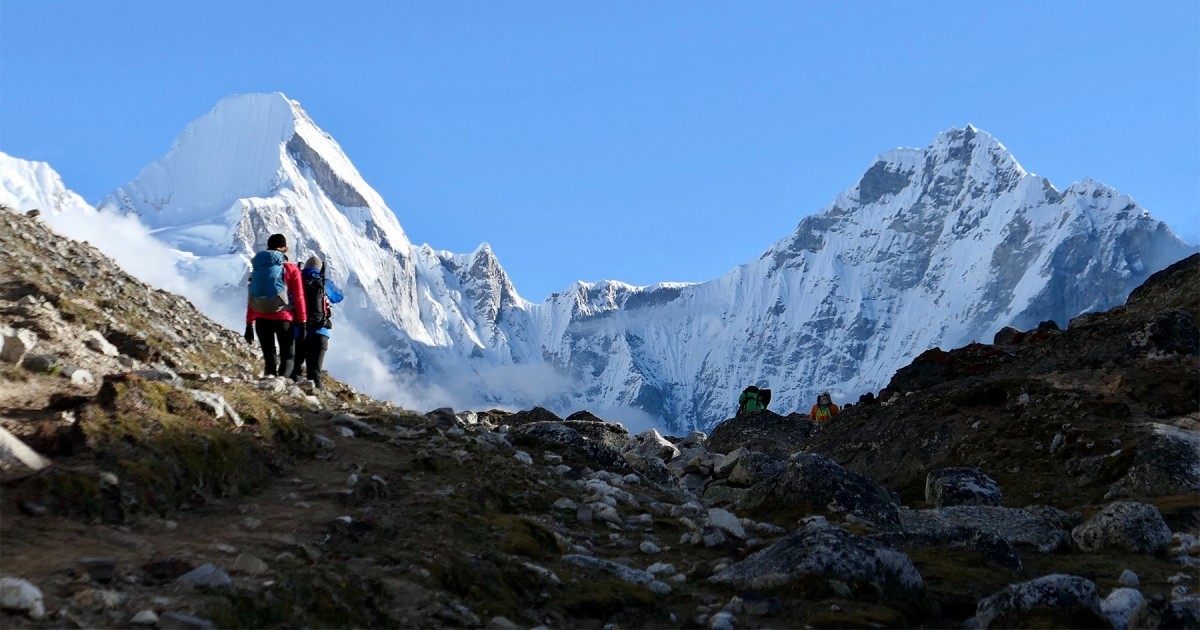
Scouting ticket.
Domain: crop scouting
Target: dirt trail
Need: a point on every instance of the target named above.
(289, 515)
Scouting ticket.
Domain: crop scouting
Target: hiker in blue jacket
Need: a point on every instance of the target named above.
(319, 293)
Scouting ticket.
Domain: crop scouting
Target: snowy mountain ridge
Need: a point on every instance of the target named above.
(932, 247)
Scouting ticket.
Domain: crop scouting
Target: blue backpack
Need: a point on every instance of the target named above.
(268, 290)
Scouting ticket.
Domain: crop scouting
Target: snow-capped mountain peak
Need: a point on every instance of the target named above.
(933, 246)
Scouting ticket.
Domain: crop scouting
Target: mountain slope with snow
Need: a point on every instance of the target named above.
(256, 165)
(932, 247)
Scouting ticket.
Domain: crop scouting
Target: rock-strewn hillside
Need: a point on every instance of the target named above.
(169, 487)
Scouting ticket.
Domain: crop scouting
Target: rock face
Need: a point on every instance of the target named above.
(764, 431)
(820, 483)
(1012, 606)
(829, 553)
(961, 486)
(1082, 415)
(1128, 525)
(1017, 527)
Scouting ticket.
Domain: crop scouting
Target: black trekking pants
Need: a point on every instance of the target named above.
(313, 354)
(269, 331)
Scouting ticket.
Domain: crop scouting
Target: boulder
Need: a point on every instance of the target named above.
(961, 486)
(754, 468)
(1166, 463)
(572, 436)
(1128, 525)
(1014, 605)
(820, 483)
(1120, 605)
(15, 344)
(951, 524)
(720, 493)
(1007, 336)
(724, 464)
(830, 553)
(651, 444)
(764, 431)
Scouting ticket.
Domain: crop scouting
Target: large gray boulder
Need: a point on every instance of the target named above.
(1166, 463)
(764, 431)
(594, 443)
(754, 468)
(651, 444)
(823, 551)
(961, 486)
(1067, 595)
(951, 524)
(817, 482)
(1128, 525)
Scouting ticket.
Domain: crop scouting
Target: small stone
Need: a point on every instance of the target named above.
(98, 343)
(21, 596)
(659, 588)
(96, 599)
(224, 548)
(649, 547)
(565, 505)
(608, 514)
(524, 458)
(99, 569)
(727, 521)
(180, 621)
(109, 480)
(206, 576)
(553, 458)
(250, 565)
(584, 514)
(501, 623)
(721, 621)
(345, 432)
(79, 376)
(661, 568)
(145, 618)
(1128, 578)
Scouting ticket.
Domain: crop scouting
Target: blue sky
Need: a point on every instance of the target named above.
(639, 141)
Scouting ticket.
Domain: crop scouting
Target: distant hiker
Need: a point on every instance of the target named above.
(275, 300)
(753, 399)
(824, 410)
(318, 295)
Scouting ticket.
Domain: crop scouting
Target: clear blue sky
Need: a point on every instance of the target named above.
(640, 141)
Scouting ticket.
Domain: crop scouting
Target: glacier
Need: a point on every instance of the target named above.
(932, 247)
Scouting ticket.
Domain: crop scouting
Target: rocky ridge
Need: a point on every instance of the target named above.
(157, 505)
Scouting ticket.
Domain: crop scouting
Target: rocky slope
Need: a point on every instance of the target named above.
(932, 247)
(174, 489)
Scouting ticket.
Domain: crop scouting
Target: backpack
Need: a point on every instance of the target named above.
(749, 400)
(268, 290)
(823, 414)
(315, 298)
